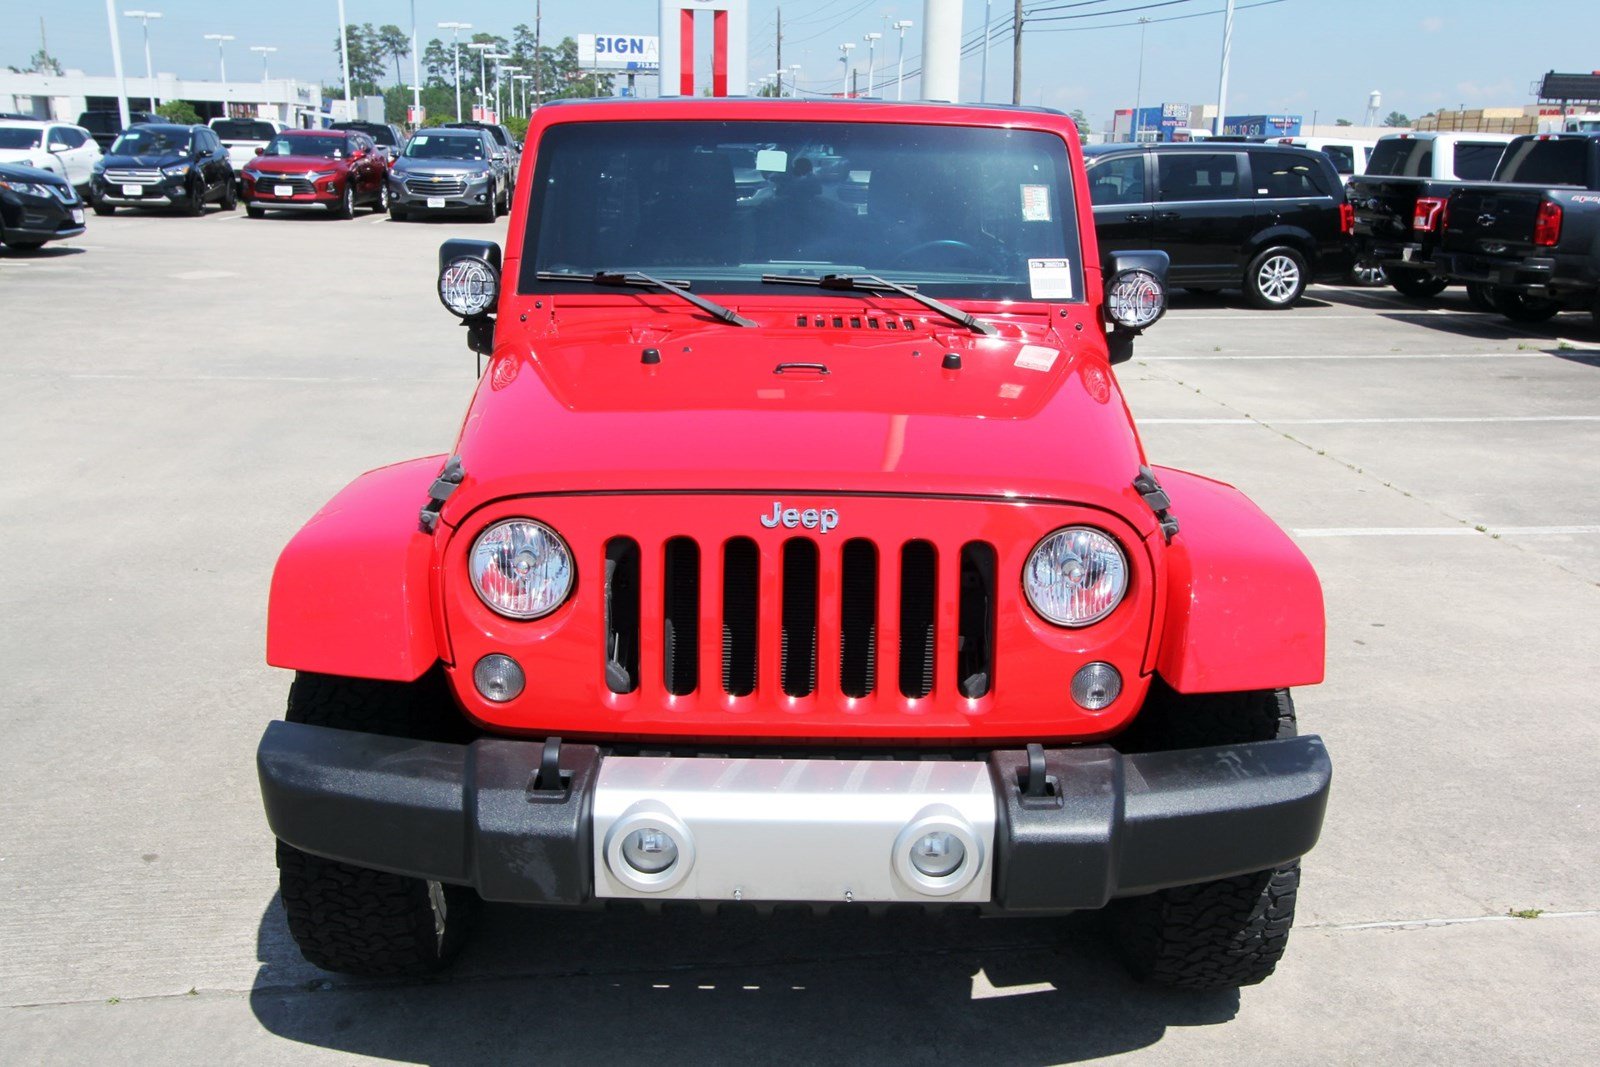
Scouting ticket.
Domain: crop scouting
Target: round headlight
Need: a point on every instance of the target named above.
(521, 568)
(1075, 576)
(469, 286)
(1135, 298)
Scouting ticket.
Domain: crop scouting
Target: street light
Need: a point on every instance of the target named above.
(794, 79)
(483, 48)
(1138, 90)
(455, 29)
(497, 57)
(265, 50)
(221, 39)
(511, 93)
(149, 72)
(524, 79)
(872, 48)
(844, 57)
(900, 75)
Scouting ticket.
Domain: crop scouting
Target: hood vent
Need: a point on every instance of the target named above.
(872, 321)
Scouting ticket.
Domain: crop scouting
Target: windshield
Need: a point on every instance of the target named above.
(148, 142)
(321, 147)
(18, 137)
(243, 130)
(1563, 161)
(434, 146)
(978, 213)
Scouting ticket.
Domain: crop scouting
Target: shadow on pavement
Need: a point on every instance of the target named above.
(49, 251)
(568, 987)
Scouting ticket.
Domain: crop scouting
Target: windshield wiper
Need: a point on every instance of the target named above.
(871, 283)
(641, 280)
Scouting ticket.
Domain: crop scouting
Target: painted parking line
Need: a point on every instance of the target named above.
(1447, 531)
(1398, 420)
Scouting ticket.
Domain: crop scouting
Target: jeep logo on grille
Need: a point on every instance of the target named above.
(823, 519)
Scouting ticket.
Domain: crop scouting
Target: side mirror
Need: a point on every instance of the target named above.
(59, 146)
(261, 150)
(1136, 296)
(469, 287)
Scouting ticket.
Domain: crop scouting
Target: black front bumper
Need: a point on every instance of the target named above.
(1112, 825)
(24, 217)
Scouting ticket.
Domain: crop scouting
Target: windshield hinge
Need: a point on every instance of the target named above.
(446, 483)
(1157, 500)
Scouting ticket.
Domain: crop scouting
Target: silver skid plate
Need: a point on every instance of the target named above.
(792, 830)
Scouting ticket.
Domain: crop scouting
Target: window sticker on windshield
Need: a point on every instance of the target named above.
(1050, 279)
(772, 161)
(421, 138)
(1036, 204)
(1036, 357)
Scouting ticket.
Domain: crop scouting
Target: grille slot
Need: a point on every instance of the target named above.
(622, 614)
(975, 636)
(741, 601)
(798, 649)
(436, 186)
(133, 176)
(919, 588)
(681, 616)
(268, 183)
(858, 618)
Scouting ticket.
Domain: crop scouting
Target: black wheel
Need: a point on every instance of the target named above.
(503, 206)
(1275, 279)
(1225, 933)
(1479, 297)
(1416, 284)
(347, 202)
(230, 196)
(255, 211)
(398, 213)
(1367, 275)
(382, 206)
(490, 211)
(103, 208)
(22, 246)
(1519, 306)
(355, 920)
(196, 205)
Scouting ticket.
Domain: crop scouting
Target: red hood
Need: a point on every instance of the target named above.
(295, 164)
(1029, 414)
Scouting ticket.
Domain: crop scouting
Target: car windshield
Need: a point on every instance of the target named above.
(436, 146)
(243, 130)
(18, 137)
(1402, 157)
(322, 147)
(979, 213)
(1560, 161)
(149, 142)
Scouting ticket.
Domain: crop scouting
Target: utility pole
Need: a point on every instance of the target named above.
(780, 53)
(1138, 90)
(538, 60)
(983, 77)
(344, 51)
(1222, 82)
(900, 73)
(1016, 54)
(416, 82)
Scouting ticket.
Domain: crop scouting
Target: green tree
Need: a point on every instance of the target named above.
(41, 62)
(438, 63)
(179, 111)
(366, 58)
(393, 43)
(1343, 122)
(1396, 118)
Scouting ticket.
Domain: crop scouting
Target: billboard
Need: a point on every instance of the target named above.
(618, 51)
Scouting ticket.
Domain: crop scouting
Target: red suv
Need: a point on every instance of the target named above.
(317, 170)
(797, 547)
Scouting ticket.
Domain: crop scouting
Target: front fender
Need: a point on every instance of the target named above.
(1244, 606)
(351, 593)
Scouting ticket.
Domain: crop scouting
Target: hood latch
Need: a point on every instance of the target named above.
(1156, 498)
(447, 482)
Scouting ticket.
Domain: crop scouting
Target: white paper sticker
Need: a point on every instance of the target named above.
(420, 138)
(1036, 203)
(1050, 279)
(772, 161)
(1010, 391)
(1036, 357)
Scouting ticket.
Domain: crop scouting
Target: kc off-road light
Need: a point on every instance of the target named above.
(1135, 298)
(1095, 686)
(498, 678)
(521, 568)
(469, 286)
(1075, 577)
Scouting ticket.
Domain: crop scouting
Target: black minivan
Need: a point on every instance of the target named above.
(1268, 219)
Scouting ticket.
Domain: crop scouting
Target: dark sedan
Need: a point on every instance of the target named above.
(36, 206)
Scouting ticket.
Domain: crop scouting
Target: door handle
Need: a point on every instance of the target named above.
(1136, 218)
(1168, 216)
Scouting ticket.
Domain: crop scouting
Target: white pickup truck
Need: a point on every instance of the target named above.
(243, 138)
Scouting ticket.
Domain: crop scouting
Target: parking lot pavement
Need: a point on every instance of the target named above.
(182, 393)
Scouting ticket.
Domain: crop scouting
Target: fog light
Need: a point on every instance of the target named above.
(938, 854)
(498, 678)
(1096, 685)
(650, 850)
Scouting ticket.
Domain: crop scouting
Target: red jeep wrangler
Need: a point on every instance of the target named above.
(797, 546)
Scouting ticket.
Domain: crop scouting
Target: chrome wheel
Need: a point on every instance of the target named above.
(1278, 279)
(1368, 274)
(383, 197)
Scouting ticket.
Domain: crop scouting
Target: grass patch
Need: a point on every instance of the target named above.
(1524, 913)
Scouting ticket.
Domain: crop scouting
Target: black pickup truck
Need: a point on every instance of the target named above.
(1533, 235)
(1399, 202)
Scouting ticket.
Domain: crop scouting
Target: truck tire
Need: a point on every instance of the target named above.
(1275, 279)
(1416, 284)
(1479, 296)
(1225, 933)
(351, 919)
(1519, 306)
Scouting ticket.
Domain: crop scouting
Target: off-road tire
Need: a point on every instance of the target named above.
(1275, 279)
(1225, 933)
(351, 919)
(1519, 306)
(1418, 285)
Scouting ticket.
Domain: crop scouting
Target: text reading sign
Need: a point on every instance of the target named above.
(615, 51)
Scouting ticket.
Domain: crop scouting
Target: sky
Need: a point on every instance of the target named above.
(1307, 57)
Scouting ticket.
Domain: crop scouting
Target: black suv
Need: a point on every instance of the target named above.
(1267, 219)
(503, 141)
(164, 166)
(386, 135)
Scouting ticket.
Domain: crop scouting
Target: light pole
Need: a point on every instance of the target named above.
(497, 57)
(983, 78)
(511, 90)
(455, 29)
(524, 79)
(416, 80)
(222, 61)
(844, 57)
(149, 71)
(265, 50)
(116, 61)
(1138, 90)
(872, 49)
(794, 79)
(344, 51)
(483, 48)
(900, 75)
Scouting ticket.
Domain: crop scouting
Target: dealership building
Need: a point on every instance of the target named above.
(65, 96)
(1177, 122)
